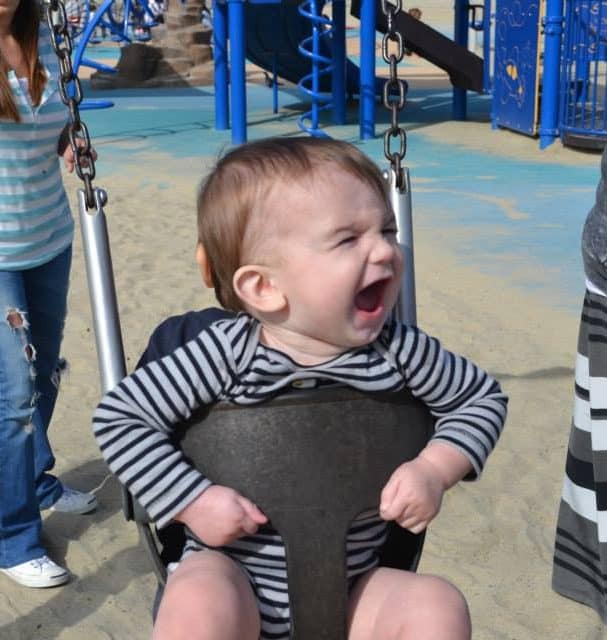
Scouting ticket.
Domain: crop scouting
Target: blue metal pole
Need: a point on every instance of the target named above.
(339, 62)
(238, 93)
(549, 110)
(125, 23)
(487, 46)
(86, 35)
(315, 64)
(460, 36)
(367, 69)
(220, 55)
(274, 82)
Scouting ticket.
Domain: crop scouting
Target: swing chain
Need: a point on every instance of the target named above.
(394, 91)
(77, 131)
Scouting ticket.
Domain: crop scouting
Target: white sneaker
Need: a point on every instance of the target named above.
(38, 573)
(72, 501)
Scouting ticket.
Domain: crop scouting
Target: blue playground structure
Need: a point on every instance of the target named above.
(541, 83)
(296, 41)
(543, 61)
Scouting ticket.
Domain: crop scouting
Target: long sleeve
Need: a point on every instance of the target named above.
(594, 235)
(134, 422)
(468, 403)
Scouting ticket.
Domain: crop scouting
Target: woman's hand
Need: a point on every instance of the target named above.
(69, 159)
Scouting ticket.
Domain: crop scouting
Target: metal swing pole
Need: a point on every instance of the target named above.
(393, 99)
(400, 199)
(102, 292)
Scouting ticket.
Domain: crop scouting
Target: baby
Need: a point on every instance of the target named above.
(298, 237)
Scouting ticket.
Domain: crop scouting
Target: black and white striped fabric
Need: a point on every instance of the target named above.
(134, 422)
(580, 557)
(262, 556)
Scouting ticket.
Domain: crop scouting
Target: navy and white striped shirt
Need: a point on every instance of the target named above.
(133, 425)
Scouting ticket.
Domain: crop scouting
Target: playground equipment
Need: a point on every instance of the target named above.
(584, 72)
(544, 85)
(78, 13)
(310, 84)
(118, 20)
(527, 67)
(121, 21)
(540, 85)
(275, 34)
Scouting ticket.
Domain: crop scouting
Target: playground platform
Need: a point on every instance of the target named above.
(497, 224)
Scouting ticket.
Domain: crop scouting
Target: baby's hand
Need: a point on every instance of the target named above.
(220, 515)
(413, 495)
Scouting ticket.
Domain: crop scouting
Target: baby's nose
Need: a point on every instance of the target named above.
(383, 250)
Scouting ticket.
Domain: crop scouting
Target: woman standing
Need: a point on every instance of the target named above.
(580, 556)
(36, 230)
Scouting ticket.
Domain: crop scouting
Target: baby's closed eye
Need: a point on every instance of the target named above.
(346, 240)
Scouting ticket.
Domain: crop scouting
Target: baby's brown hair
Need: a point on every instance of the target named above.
(241, 180)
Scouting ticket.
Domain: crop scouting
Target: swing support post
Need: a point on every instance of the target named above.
(400, 199)
(102, 292)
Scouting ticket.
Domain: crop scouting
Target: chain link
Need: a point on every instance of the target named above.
(394, 91)
(70, 91)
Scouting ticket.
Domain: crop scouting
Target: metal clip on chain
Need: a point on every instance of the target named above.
(394, 91)
(78, 133)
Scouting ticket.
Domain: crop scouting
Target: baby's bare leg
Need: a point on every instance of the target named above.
(208, 597)
(387, 604)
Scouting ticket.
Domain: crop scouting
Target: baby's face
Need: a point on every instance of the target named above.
(340, 266)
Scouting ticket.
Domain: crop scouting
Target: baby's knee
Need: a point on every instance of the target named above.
(202, 604)
(399, 605)
(193, 609)
(442, 593)
(439, 605)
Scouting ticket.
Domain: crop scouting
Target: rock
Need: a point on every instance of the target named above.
(183, 55)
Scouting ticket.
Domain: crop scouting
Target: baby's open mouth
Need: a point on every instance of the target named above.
(372, 296)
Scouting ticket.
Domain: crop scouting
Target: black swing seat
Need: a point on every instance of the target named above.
(312, 461)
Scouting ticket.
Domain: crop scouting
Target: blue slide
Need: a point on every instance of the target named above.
(277, 30)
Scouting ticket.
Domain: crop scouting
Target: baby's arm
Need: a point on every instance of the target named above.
(134, 423)
(470, 409)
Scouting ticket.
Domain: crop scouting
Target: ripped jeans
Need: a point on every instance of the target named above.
(33, 305)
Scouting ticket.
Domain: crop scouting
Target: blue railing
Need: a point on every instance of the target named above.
(584, 74)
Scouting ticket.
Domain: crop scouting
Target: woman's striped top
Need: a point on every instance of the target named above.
(35, 219)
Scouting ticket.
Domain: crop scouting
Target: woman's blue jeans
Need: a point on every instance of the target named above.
(33, 305)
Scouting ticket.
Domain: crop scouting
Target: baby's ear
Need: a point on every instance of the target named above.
(204, 265)
(256, 288)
